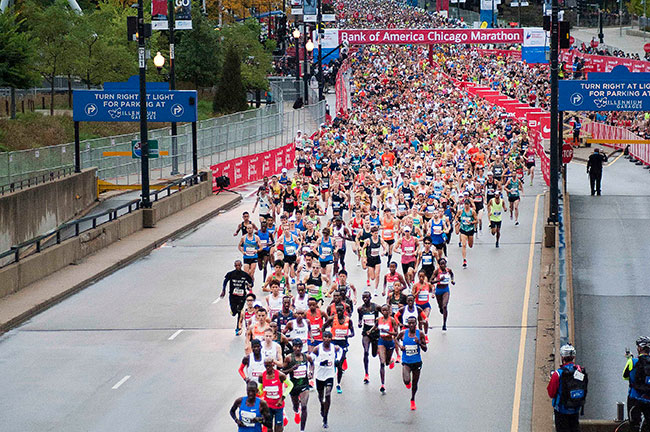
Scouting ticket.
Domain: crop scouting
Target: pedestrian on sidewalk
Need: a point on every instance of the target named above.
(595, 170)
(568, 391)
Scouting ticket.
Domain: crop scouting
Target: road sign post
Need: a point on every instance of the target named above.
(567, 153)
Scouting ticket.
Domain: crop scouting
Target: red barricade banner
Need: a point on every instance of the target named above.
(604, 131)
(598, 63)
(500, 52)
(251, 168)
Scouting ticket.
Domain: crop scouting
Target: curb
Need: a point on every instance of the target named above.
(145, 250)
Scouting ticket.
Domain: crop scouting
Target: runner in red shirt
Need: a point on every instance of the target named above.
(271, 386)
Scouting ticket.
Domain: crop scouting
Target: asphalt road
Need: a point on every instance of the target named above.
(111, 358)
(610, 273)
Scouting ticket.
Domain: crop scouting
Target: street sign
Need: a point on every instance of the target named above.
(618, 90)
(646, 47)
(136, 149)
(567, 153)
(120, 102)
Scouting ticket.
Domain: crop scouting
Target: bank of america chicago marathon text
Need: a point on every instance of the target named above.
(429, 36)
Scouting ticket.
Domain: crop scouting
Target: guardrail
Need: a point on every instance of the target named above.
(33, 181)
(78, 226)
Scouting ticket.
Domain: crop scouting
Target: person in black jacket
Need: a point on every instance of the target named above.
(241, 284)
(595, 170)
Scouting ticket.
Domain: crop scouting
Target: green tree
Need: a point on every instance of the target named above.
(52, 26)
(231, 95)
(198, 52)
(17, 55)
(256, 58)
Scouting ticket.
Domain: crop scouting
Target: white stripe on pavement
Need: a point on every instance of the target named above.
(216, 301)
(176, 333)
(120, 382)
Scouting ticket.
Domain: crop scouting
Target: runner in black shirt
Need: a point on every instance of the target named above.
(241, 284)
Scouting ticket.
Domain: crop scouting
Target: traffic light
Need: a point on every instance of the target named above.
(582, 6)
(564, 35)
(281, 27)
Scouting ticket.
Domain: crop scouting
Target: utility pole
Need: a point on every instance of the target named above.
(305, 78)
(144, 138)
(172, 81)
(601, 35)
(320, 32)
(555, 163)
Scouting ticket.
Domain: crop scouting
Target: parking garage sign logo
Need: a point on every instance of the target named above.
(91, 110)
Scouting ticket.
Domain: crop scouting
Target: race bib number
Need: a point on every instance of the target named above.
(423, 296)
(315, 331)
(247, 418)
(437, 229)
(369, 319)
(290, 250)
(272, 392)
(300, 371)
(340, 333)
(238, 291)
(411, 350)
(327, 250)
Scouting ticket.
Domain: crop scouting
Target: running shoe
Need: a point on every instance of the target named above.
(408, 386)
(426, 338)
(344, 366)
(392, 364)
(413, 407)
(339, 390)
(237, 332)
(365, 379)
(444, 327)
(460, 244)
(516, 222)
(464, 263)
(285, 422)
(497, 244)
(382, 390)
(367, 282)
(325, 426)
(296, 417)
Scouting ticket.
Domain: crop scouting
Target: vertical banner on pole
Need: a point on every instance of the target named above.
(487, 14)
(183, 14)
(309, 10)
(159, 15)
(535, 45)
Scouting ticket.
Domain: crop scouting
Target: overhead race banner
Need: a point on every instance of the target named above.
(618, 90)
(120, 102)
(182, 15)
(309, 10)
(431, 36)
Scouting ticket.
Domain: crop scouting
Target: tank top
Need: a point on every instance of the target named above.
(340, 329)
(255, 367)
(373, 249)
(427, 259)
(301, 303)
(264, 239)
(247, 414)
(374, 221)
(390, 281)
(316, 290)
(385, 326)
(408, 250)
(290, 246)
(315, 324)
(326, 250)
(324, 363)
(309, 241)
(443, 285)
(250, 248)
(299, 375)
(275, 304)
(300, 332)
(466, 220)
(423, 294)
(339, 237)
(258, 332)
(270, 352)
(411, 352)
(273, 389)
(388, 229)
(437, 232)
(497, 211)
(406, 314)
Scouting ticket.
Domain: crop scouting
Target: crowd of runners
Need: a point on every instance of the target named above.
(401, 187)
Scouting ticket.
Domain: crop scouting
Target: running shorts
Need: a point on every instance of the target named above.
(413, 366)
(495, 224)
(467, 233)
(250, 261)
(389, 344)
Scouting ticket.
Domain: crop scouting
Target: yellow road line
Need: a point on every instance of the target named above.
(524, 326)
(617, 158)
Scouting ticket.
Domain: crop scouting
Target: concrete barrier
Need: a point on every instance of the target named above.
(29, 212)
(37, 266)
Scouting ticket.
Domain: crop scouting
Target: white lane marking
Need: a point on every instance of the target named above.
(176, 333)
(216, 301)
(120, 382)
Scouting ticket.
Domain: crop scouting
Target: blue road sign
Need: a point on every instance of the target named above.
(618, 90)
(120, 102)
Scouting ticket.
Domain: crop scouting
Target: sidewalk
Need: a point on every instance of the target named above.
(18, 307)
(613, 38)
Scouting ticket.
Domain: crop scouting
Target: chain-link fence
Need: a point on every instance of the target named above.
(218, 139)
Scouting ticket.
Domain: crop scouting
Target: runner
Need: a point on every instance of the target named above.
(389, 225)
(325, 251)
(466, 226)
(442, 277)
(438, 229)
(241, 227)
(299, 328)
(273, 384)
(299, 366)
(409, 247)
(266, 242)
(316, 319)
(285, 315)
(252, 410)
(391, 278)
(270, 348)
(326, 358)
(495, 210)
(387, 327)
(372, 247)
(422, 294)
(411, 342)
(341, 327)
(368, 314)
(514, 187)
(249, 245)
(426, 258)
(252, 365)
(240, 284)
(340, 234)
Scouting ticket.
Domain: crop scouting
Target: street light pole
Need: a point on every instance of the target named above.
(172, 82)
(296, 38)
(144, 138)
(305, 78)
(320, 32)
(492, 13)
(555, 163)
